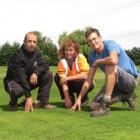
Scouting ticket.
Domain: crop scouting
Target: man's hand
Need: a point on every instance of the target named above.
(29, 104)
(68, 102)
(76, 105)
(96, 63)
(63, 80)
(33, 79)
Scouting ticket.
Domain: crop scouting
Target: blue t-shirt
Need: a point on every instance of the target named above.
(123, 60)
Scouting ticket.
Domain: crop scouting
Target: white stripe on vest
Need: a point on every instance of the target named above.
(64, 62)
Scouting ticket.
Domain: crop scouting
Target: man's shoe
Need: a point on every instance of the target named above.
(38, 104)
(49, 106)
(131, 102)
(13, 107)
(104, 109)
(99, 113)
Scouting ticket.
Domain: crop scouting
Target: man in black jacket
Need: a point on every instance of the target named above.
(26, 71)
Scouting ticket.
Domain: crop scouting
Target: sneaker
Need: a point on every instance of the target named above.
(85, 101)
(131, 102)
(38, 104)
(104, 109)
(99, 113)
(49, 106)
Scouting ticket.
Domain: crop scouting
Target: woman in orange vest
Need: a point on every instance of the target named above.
(72, 71)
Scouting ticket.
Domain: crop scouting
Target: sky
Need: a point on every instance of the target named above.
(116, 20)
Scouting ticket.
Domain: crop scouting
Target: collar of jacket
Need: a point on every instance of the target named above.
(26, 52)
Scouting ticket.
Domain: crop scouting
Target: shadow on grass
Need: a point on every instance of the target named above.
(62, 105)
(6, 108)
(58, 104)
(86, 108)
(118, 109)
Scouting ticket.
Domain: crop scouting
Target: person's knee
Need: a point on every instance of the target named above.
(65, 89)
(56, 78)
(47, 76)
(14, 88)
(50, 75)
(110, 69)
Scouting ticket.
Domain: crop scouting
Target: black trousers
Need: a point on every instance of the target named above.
(15, 90)
(74, 86)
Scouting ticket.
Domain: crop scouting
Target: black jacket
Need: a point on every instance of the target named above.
(22, 65)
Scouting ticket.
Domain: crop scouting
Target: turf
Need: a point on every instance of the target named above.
(61, 124)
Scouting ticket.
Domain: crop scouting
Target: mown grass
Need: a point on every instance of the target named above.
(61, 124)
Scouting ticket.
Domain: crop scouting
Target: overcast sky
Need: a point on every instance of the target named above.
(117, 20)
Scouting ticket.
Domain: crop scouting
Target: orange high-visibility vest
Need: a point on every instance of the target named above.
(79, 65)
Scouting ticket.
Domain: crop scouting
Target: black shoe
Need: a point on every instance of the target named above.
(38, 104)
(13, 105)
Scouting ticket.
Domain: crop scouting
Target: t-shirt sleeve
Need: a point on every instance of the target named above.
(82, 63)
(113, 46)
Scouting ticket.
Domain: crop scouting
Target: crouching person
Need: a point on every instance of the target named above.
(72, 72)
(120, 74)
(27, 71)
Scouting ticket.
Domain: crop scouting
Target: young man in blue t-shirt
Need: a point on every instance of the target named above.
(120, 74)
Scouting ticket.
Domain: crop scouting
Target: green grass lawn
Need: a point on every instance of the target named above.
(61, 124)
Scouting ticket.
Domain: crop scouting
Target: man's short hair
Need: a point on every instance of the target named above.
(91, 30)
(31, 32)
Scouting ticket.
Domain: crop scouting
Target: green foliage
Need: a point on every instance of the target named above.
(78, 35)
(7, 51)
(134, 54)
(48, 49)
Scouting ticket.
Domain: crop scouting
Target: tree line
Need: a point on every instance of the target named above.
(49, 49)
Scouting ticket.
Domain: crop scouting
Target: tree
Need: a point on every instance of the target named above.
(134, 54)
(78, 35)
(7, 51)
(48, 49)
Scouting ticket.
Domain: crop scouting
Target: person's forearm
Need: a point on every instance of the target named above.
(112, 59)
(77, 76)
(65, 91)
(84, 89)
(87, 83)
(107, 61)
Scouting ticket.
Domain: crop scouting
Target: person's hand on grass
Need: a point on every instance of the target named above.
(29, 104)
(76, 105)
